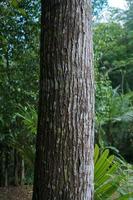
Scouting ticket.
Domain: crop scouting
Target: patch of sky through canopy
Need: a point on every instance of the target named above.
(117, 3)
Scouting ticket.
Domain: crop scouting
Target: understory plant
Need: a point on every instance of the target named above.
(111, 177)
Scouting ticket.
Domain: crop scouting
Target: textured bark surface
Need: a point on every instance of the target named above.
(64, 157)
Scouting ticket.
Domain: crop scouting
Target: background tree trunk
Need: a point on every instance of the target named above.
(6, 169)
(64, 150)
(16, 182)
(22, 178)
(2, 168)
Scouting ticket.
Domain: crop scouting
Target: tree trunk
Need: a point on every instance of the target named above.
(2, 168)
(6, 169)
(64, 149)
(22, 172)
(15, 168)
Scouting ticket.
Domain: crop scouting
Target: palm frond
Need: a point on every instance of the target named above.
(108, 177)
(29, 117)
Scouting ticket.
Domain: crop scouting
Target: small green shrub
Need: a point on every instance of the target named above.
(109, 178)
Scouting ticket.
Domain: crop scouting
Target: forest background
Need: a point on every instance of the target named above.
(19, 75)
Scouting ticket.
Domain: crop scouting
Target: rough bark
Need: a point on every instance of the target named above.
(64, 149)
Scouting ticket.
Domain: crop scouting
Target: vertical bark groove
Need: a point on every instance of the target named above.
(64, 156)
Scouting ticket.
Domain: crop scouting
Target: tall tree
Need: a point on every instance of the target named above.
(64, 149)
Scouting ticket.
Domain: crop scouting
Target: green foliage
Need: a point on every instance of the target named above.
(113, 53)
(113, 71)
(118, 107)
(108, 177)
(29, 117)
(110, 50)
(24, 141)
(19, 72)
(114, 116)
(104, 92)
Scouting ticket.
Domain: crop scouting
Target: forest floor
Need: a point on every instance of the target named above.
(16, 193)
